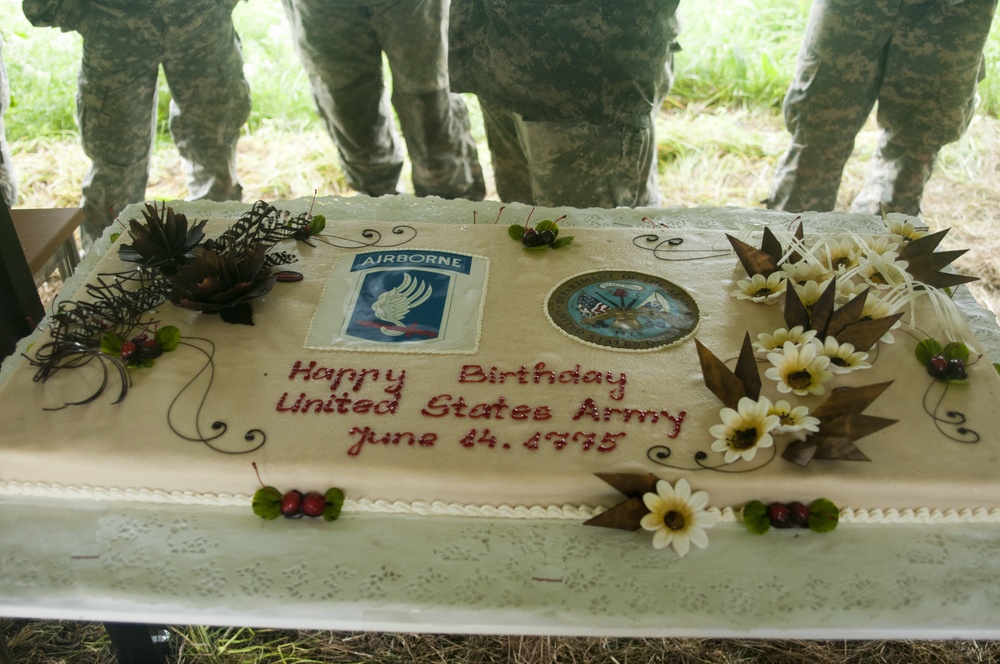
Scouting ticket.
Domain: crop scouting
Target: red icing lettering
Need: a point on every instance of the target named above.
(366, 436)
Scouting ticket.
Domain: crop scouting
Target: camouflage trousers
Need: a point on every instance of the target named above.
(579, 164)
(124, 44)
(921, 60)
(8, 180)
(341, 43)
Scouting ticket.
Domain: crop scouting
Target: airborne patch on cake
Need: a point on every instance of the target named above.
(410, 300)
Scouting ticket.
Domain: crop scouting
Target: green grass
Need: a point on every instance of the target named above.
(736, 54)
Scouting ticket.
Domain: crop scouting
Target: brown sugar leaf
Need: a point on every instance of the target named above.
(849, 400)
(846, 315)
(754, 260)
(623, 516)
(719, 378)
(863, 335)
(795, 311)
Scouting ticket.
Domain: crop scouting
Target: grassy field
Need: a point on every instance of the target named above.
(719, 138)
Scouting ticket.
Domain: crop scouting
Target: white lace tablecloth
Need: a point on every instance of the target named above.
(224, 566)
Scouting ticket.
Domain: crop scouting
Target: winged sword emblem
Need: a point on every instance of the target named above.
(394, 305)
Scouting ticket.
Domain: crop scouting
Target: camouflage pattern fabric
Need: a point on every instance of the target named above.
(569, 91)
(8, 180)
(341, 43)
(124, 44)
(921, 60)
(582, 164)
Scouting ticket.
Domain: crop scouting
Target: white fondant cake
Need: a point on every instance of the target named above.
(443, 367)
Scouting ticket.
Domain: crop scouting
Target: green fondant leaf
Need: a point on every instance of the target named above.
(547, 225)
(956, 351)
(562, 242)
(540, 247)
(267, 503)
(111, 344)
(516, 232)
(334, 503)
(755, 517)
(823, 516)
(927, 349)
(168, 337)
(317, 224)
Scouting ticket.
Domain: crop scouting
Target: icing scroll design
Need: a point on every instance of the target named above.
(256, 437)
(370, 237)
(661, 455)
(667, 248)
(952, 423)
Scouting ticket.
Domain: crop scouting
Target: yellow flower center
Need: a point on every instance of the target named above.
(744, 439)
(799, 380)
(841, 261)
(839, 361)
(763, 292)
(674, 520)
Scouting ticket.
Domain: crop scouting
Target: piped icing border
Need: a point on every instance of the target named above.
(891, 516)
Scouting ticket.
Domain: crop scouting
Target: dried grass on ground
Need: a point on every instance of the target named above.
(707, 158)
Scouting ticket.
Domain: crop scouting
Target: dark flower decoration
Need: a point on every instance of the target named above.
(223, 282)
(165, 241)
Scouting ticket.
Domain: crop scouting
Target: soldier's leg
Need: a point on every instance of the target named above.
(831, 95)
(341, 54)
(435, 123)
(927, 99)
(210, 97)
(589, 165)
(510, 169)
(116, 112)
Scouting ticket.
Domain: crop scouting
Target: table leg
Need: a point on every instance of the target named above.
(5, 657)
(134, 643)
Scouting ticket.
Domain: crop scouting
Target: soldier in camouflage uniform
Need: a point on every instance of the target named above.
(124, 44)
(341, 43)
(8, 182)
(920, 59)
(569, 93)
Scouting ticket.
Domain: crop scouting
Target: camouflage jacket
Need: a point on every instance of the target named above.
(67, 15)
(63, 14)
(590, 60)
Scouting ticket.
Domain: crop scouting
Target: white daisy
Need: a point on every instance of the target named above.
(883, 270)
(810, 292)
(843, 357)
(677, 517)
(847, 290)
(745, 429)
(803, 271)
(797, 335)
(759, 288)
(800, 370)
(795, 420)
(903, 231)
(838, 254)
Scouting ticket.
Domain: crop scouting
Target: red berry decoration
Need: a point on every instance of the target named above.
(798, 515)
(128, 350)
(820, 516)
(291, 504)
(779, 515)
(937, 367)
(269, 503)
(313, 504)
